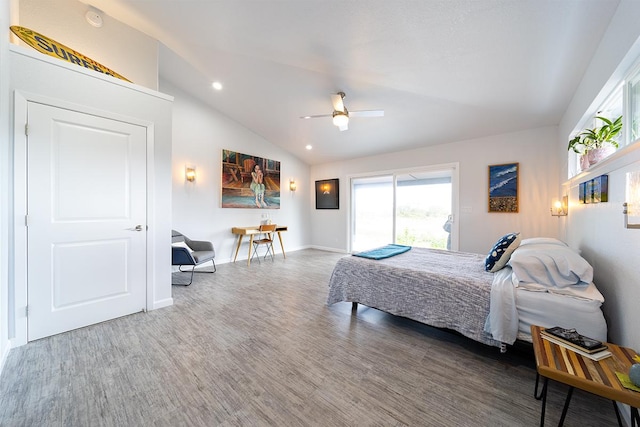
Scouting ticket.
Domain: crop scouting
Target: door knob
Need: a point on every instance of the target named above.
(138, 227)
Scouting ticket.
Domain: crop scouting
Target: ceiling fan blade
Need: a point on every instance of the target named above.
(336, 100)
(316, 116)
(367, 113)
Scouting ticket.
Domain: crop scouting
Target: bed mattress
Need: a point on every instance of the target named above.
(547, 310)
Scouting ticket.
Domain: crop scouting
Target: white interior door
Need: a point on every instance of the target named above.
(86, 222)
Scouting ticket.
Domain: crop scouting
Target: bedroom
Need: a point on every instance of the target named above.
(616, 271)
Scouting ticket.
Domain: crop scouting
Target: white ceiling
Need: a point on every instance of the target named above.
(442, 70)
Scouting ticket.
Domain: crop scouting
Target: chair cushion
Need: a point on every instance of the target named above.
(203, 256)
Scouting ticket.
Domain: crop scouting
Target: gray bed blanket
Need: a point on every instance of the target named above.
(440, 288)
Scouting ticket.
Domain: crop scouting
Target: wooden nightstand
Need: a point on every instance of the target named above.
(598, 377)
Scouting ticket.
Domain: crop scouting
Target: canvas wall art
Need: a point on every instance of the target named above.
(503, 188)
(595, 190)
(249, 181)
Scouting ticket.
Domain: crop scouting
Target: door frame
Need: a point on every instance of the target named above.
(19, 262)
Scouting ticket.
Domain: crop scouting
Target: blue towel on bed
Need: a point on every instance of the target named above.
(384, 252)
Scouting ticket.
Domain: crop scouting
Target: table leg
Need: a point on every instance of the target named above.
(281, 245)
(543, 395)
(566, 406)
(615, 408)
(535, 391)
(250, 246)
(238, 247)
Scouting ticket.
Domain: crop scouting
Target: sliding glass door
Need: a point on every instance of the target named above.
(410, 208)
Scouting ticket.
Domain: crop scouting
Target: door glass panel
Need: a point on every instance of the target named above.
(373, 212)
(423, 212)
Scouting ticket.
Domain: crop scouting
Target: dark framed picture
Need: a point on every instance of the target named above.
(327, 194)
(503, 188)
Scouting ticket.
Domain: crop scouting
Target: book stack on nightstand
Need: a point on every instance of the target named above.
(572, 340)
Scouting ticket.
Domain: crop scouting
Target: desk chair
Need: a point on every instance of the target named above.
(264, 238)
(185, 251)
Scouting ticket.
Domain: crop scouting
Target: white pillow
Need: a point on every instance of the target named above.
(182, 245)
(550, 264)
(539, 240)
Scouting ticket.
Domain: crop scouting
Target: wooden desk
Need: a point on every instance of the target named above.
(252, 231)
(598, 377)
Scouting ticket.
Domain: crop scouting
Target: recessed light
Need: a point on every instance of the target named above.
(308, 147)
(216, 85)
(306, 117)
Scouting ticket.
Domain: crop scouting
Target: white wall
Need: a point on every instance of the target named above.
(597, 229)
(200, 133)
(31, 75)
(115, 45)
(479, 230)
(5, 178)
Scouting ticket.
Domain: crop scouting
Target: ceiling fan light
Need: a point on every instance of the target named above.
(340, 119)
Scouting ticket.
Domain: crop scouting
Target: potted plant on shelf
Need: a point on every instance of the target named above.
(595, 144)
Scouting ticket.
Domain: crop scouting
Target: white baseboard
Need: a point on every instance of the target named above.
(324, 248)
(162, 303)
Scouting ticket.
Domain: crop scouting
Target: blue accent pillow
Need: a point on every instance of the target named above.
(501, 252)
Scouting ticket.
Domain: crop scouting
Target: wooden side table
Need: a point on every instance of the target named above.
(598, 377)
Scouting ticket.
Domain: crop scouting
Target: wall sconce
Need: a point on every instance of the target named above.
(631, 208)
(190, 173)
(292, 185)
(560, 207)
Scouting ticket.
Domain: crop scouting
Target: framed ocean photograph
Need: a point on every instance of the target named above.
(503, 188)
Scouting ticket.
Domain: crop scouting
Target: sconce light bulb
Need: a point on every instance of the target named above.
(190, 174)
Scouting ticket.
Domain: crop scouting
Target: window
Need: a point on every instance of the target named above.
(633, 94)
(623, 101)
(611, 108)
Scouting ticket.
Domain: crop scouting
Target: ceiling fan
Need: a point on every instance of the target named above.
(341, 115)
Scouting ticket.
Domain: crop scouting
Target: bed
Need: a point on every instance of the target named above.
(455, 290)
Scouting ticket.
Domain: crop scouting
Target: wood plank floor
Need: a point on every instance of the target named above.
(254, 346)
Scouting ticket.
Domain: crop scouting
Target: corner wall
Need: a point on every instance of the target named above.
(200, 133)
(31, 75)
(479, 230)
(115, 45)
(597, 229)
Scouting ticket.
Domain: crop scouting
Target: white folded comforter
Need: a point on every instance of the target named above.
(502, 321)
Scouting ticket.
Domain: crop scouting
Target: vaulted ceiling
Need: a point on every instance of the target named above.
(442, 70)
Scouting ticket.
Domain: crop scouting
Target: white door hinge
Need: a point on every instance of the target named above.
(26, 220)
(26, 129)
(26, 310)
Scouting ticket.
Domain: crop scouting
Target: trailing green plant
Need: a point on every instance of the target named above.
(590, 139)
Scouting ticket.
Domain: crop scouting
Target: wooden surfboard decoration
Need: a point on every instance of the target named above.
(44, 44)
